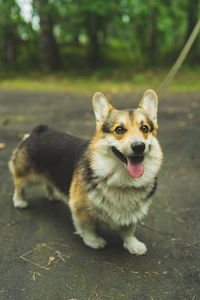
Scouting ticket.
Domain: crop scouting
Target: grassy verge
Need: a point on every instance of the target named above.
(186, 80)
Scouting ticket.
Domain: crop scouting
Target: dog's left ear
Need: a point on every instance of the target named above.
(101, 106)
(149, 102)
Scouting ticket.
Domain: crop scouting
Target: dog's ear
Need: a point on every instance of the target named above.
(149, 102)
(101, 107)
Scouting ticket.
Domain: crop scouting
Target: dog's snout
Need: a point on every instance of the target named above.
(138, 147)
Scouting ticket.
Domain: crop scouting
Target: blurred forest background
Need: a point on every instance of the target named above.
(96, 37)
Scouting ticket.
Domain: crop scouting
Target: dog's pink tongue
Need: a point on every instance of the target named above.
(136, 170)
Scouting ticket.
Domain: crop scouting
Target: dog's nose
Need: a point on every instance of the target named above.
(138, 147)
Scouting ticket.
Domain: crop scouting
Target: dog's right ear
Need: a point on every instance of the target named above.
(149, 102)
(101, 107)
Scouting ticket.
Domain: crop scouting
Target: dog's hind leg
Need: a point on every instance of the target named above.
(19, 194)
(131, 243)
(19, 167)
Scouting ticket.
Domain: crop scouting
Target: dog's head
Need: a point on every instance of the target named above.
(128, 134)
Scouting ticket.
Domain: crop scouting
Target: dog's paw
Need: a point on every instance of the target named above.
(135, 247)
(18, 202)
(95, 242)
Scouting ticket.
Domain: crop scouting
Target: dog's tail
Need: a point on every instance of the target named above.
(26, 135)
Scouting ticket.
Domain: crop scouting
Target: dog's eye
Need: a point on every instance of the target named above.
(120, 130)
(144, 128)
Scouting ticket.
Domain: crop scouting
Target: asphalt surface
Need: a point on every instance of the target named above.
(42, 258)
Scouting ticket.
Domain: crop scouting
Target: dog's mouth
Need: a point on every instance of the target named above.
(134, 163)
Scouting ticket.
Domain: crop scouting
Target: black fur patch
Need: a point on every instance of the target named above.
(151, 193)
(130, 111)
(119, 155)
(55, 154)
(151, 125)
(106, 127)
(108, 123)
(87, 173)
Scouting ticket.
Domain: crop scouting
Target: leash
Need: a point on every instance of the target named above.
(180, 58)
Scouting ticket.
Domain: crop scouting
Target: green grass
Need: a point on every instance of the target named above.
(115, 82)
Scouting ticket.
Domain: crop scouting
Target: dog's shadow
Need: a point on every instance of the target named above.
(53, 215)
(56, 215)
(55, 218)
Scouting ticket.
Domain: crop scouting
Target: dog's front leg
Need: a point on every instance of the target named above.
(130, 242)
(87, 230)
(83, 214)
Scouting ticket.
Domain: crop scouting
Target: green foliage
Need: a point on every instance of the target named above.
(96, 34)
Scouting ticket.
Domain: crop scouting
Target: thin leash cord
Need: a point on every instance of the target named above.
(180, 59)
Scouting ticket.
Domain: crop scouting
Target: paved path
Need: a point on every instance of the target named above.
(42, 259)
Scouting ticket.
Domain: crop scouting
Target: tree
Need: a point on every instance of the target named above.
(192, 18)
(50, 59)
(9, 19)
(138, 33)
(94, 24)
(93, 19)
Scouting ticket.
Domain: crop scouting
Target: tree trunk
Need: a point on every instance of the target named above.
(153, 38)
(192, 18)
(9, 38)
(50, 60)
(93, 24)
(9, 47)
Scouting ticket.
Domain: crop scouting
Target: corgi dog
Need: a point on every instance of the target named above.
(108, 180)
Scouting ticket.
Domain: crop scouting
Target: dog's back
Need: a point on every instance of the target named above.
(47, 151)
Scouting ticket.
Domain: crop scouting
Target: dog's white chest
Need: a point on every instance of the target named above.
(119, 207)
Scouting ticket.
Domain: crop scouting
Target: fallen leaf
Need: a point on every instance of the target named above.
(181, 123)
(51, 258)
(20, 118)
(190, 116)
(2, 145)
(194, 104)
